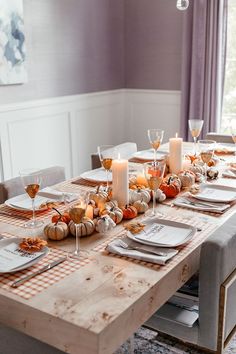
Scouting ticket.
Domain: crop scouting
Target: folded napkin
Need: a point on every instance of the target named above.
(229, 173)
(201, 205)
(96, 175)
(141, 253)
(51, 193)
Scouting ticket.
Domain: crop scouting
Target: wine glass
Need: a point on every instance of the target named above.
(154, 172)
(106, 155)
(77, 213)
(195, 126)
(206, 148)
(155, 137)
(31, 179)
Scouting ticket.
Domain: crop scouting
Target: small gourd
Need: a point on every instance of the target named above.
(104, 224)
(129, 212)
(160, 196)
(139, 194)
(141, 206)
(187, 178)
(170, 187)
(85, 228)
(99, 196)
(197, 168)
(114, 212)
(56, 231)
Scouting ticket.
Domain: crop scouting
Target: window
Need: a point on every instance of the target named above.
(229, 100)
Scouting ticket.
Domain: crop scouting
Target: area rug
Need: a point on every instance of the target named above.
(147, 341)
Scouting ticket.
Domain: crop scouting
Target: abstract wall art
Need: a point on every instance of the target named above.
(12, 43)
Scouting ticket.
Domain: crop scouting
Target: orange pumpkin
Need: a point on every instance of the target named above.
(129, 212)
(170, 187)
(65, 217)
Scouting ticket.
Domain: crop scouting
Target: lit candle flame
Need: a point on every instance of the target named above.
(118, 155)
(176, 135)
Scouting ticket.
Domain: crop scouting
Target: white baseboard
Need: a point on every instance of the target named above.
(66, 130)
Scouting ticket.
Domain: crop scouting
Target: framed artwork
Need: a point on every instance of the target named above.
(12, 43)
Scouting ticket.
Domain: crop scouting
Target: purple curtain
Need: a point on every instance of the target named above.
(203, 64)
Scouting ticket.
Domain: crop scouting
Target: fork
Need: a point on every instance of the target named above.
(190, 202)
(124, 245)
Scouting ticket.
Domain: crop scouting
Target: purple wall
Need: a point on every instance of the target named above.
(79, 46)
(73, 46)
(153, 33)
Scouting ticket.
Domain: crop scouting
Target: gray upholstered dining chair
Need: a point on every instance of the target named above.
(217, 294)
(220, 138)
(14, 187)
(126, 150)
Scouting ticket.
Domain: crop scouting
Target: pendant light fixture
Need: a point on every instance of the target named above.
(182, 4)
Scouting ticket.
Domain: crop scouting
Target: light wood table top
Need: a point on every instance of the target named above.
(97, 307)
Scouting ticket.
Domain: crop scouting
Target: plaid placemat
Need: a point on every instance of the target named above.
(200, 236)
(85, 182)
(42, 281)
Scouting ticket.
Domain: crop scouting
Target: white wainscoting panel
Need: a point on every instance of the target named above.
(66, 130)
(59, 131)
(152, 109)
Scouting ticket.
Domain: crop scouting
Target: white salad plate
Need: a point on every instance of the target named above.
(24, 203)
(149, 155)
(170, 233)
(7, 241)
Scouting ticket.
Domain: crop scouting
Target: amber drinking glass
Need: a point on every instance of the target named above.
(195, 126)
(31, 179)
(155, 137)
(206, 148)
(154, 172)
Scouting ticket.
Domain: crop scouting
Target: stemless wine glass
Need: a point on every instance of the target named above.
(77, 215)
(155, 137)
(206, 148)
(106, 155)
(154, 172)
(31, 179)
(195, 126)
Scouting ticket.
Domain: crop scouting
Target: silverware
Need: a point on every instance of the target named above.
(200, 204)
(12, 215)
(141, 249)
(42, 270)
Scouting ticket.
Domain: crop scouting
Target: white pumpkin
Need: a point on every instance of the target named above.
(104, 224)
(114, 212)
(139, 194)
(141, 206)
(57, 231)
(160, 196)
(85, 228)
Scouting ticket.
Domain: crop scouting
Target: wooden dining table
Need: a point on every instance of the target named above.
(94, 305)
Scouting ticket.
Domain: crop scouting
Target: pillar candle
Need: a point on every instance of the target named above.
(89, 212)
(176, 152)
(120, 181)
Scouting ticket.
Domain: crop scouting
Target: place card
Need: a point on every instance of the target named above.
(11, 256)
(164, 234)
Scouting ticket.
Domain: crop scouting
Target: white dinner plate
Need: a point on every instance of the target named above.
(6, 241)
(149, 155)
(24, 203)
(188, 229)
(96, 175)
(216, 193)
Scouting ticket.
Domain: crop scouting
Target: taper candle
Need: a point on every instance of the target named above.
(176, 154)
(120, 181)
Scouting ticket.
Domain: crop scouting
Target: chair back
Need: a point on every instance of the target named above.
(14, 187)
(126, 150)
(217, 265)
(220, 138)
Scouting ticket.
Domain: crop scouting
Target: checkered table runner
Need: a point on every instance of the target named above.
(42, 281)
